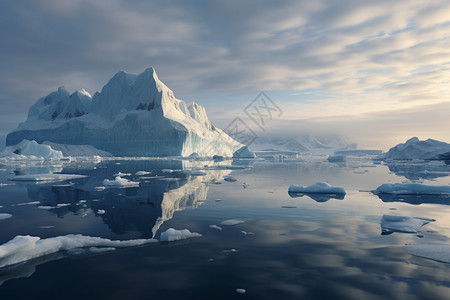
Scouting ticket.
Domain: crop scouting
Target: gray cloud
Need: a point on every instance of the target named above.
(338, 52)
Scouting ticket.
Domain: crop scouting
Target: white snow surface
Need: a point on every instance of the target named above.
(120, 182)
(171, 235)
(435, 252)
(47, 177)
(417, 149)
(317, 188)
(29, 150)
(412, 189)
(23, 248)
(403, 223)
(133, 115)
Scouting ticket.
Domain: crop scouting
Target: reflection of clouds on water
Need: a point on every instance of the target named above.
(142, 209)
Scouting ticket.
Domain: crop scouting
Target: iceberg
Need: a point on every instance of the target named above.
(412, 189)
(171, 235)
(133, 115)
(29, 150)
(23, 248)
(317, 188)
(417, 149)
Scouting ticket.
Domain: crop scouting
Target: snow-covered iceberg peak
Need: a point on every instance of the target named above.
(133, 115)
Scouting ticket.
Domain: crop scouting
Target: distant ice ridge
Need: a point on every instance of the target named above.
(412, 189)
(404, 224)
(29, 150)
(317, 188)
(417, 149)
(23, 248)
(133, 115)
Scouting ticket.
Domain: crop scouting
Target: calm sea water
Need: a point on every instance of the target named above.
(288, 247)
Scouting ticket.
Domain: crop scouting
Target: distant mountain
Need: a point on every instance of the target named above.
(304, 144)
(133, 115)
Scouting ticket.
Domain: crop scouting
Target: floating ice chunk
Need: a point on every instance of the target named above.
(28, 203)
(46, 207)
(231, 222)
(336, 158)
(194, 172)
(229, 178)
(167, 170)
(46, 226)
(62, 205)
(215, 227)
(412, 189)
(231, 250)
(246, 232)
(317, 188)
(5, 216)
(23, 248)
(142, 173)
(171, 235)
(240, 291)
(120, 182)
(390, 223)
(29, 150)
(439, 253)
(99, 188)
(101, 212)
(47, 177)
(120, 174)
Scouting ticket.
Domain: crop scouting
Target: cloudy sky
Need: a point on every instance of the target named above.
(375, 71)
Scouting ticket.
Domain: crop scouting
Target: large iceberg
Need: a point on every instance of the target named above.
(133, 115)
(417, 149)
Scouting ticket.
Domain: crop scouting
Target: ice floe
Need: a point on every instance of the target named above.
(47, 177)
(120, 182)
(171, 235)
(231, 222)
(317, 188)
(240, 291)
(101, 212)
(142, 173)
(215, 227)
(412, 189)
(405, 224)
(23, 248)
(5, 216)
(120, 174)
(435, 252)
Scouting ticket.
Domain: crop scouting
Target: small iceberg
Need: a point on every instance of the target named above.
(336, 158)
(142, 173)
(23, 248)
(405, 224)
(317, 188)
(412, 189)
(171, 235)
(29, 150)
(120, 182)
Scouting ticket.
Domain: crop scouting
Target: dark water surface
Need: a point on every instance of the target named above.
(288, 247)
